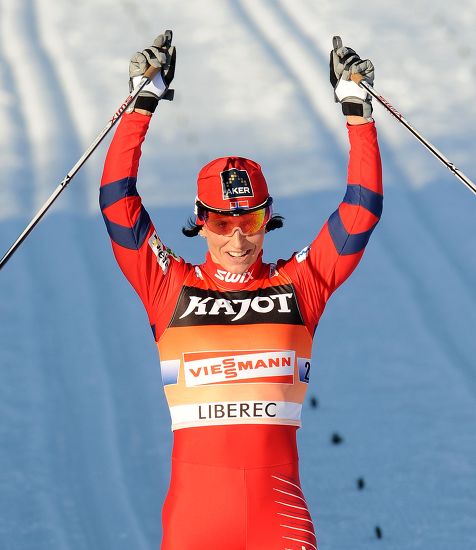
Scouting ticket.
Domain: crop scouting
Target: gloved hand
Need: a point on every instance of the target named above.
(160, 55)
(344, 63)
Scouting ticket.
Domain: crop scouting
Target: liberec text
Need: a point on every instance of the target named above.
(257, 409)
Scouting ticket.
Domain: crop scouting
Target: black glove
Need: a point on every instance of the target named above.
(161, 55)
(345, 62)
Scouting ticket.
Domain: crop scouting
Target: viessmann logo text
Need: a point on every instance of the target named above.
(201, 369)
(209, 307)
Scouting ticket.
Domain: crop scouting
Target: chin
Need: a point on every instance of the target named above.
(237, 268)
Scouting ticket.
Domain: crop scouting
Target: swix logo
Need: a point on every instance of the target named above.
(119, 112)
(208, 307)
(203, 368)
(390, 107)
(238, 278)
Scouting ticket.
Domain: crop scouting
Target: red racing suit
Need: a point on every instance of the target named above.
(235, 355)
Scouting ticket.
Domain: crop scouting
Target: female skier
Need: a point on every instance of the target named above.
(235, 334)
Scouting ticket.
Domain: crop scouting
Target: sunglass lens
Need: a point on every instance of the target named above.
(248, 223)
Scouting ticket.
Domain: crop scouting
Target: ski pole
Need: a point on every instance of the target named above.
(148, 76)
(438, 154)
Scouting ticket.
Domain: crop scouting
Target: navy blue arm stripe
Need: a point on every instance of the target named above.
(345, 242)
(358, 195)
(130, 237)
(117, 190)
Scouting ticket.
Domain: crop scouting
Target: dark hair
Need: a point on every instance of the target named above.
(192, 229)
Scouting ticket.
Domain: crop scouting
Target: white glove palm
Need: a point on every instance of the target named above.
(160, 55)
(345, 62)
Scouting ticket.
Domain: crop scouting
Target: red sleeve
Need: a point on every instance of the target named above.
(152, 269)
(324, 265)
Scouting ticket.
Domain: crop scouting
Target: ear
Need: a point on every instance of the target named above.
(203, 232)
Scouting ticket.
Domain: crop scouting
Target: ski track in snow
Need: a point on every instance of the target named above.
(20, 25)
(40, 514)
(66, 388)
(285, 51)
(103, 445)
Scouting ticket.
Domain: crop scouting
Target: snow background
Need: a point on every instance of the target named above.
(84, 432)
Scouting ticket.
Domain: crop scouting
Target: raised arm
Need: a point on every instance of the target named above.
(324, 265)
(142, 257)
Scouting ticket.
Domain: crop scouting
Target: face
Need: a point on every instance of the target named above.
(237, 253)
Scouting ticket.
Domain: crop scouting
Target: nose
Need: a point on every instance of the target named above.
(237, 237)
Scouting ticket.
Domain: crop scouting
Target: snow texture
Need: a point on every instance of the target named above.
(85, 431)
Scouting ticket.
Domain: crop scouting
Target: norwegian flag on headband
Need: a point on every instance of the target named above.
(236, 183)
(234, 205)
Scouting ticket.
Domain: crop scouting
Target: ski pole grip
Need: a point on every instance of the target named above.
(151, 72)
(357, 77)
